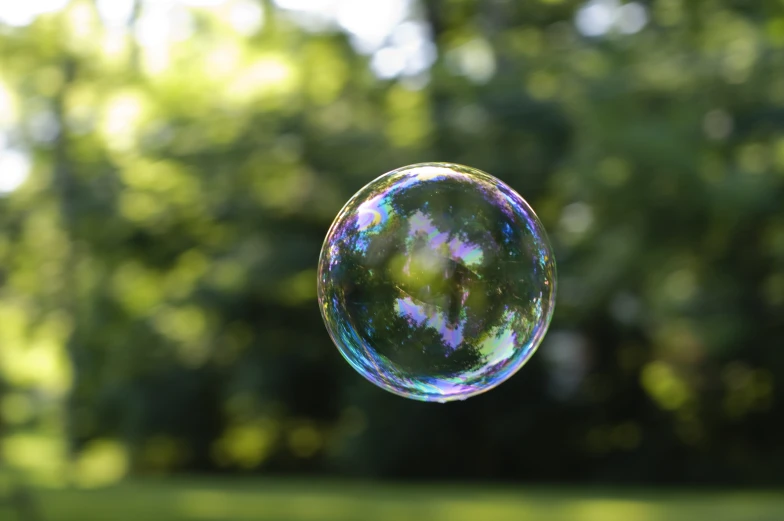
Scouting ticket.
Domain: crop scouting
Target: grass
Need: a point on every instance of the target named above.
(237, 500)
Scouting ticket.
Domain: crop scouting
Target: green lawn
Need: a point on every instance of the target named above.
(175, 500)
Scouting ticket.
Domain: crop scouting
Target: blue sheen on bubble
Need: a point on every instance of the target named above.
(437, 282)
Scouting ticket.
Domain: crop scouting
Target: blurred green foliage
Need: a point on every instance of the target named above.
(157, 267)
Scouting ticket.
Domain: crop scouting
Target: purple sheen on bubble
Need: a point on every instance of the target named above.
(437, 282)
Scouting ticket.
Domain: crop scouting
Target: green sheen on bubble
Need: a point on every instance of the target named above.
(437, 282)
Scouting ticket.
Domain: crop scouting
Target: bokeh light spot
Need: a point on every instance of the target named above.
(14, 169)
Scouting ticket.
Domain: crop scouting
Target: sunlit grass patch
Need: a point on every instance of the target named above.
(231, 499)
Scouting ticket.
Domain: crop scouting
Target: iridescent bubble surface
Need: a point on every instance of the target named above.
(437, 282)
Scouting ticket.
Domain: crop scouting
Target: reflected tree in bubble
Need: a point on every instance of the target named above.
(437, 282)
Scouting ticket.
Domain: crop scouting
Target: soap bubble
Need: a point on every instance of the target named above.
(436, 282)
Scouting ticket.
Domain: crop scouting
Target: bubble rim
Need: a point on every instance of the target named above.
(537, 338)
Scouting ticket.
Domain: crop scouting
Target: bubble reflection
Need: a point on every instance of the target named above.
(436, 282)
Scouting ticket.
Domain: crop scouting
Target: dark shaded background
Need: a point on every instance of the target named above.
(168, 173)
